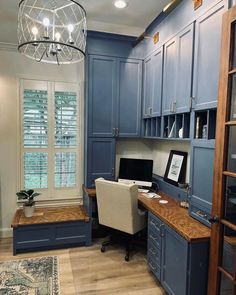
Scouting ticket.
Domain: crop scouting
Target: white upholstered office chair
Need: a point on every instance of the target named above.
(118, 209)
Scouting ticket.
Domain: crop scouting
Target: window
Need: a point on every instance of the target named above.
(51, 149)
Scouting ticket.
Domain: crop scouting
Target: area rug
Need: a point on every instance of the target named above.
(36, 276)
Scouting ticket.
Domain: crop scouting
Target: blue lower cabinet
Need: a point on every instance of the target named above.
(51, 236)
(176, 263)
(101, 159)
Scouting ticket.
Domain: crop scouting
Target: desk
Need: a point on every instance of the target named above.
(170, 213)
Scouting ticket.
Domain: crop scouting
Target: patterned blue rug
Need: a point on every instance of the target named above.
(36, 276)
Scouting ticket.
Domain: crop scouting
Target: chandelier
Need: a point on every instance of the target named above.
(52, 31)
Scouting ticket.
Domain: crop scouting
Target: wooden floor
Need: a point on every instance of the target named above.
(85, 270)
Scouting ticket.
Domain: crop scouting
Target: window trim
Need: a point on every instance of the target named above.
(52, 193)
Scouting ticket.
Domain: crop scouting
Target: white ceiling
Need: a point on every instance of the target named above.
(101, 16)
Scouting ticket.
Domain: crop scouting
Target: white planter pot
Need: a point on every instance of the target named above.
(29, 210)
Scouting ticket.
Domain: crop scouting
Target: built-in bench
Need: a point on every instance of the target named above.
(51, 228)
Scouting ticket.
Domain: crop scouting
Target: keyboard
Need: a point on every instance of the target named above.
(152, 195)
(141, 190)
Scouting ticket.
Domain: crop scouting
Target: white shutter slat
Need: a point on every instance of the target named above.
(65, 169)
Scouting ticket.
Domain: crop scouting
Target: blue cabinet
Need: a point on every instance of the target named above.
(178, 264)
(102, 75)
(177, 81)
(114, 97)
(100, 159)
(201, 179)
(152, 93)
(207, 58)
(169, 76)
(129, 97)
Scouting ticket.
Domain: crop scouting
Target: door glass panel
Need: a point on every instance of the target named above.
(232, 150)
(230, 200)
(233, 98)
(234, 45)
(226, 287)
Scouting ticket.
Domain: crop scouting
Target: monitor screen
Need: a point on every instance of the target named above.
(138, 171)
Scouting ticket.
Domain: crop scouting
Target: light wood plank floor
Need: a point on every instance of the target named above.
(85, 270)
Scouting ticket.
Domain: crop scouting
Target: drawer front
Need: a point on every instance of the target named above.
(154, 268)
(155, 238)
(154, 223)
(200, 213)
(33, 236)
(154, 253)
(69, 233)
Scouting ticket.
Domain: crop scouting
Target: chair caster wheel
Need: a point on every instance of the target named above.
(127, 258)
(103, 249)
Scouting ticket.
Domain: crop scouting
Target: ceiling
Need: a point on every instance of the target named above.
(101, 16)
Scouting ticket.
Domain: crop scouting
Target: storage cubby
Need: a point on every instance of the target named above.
(152, 127)
(176, 126)
(205, 124)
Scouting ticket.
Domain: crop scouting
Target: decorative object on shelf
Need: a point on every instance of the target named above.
(155, 37)
(176, 167)
(29, 204)
(171, 134)
(204, 131)
(197, 4)
(52, 31)
(30, 276)
(181, 133)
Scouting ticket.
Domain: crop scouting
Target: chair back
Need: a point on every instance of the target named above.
(118, 206)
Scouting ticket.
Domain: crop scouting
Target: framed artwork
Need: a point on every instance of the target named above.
(176, 167)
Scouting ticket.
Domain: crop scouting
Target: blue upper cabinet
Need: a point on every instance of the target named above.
(169, 77)
(153, 70)
(207, 58)
(129, 97)
(184, 70)
(177, 81)
(114, 97)
(102, 96)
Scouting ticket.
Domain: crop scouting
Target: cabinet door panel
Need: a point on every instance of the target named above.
(148, 86)
(184, 69)
(101, 159)
(207, 57)
(157, 61)
(129, 97)
(169, 77)
(102, 96)
(174, 265)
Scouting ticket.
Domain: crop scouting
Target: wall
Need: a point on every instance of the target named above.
(12, 66)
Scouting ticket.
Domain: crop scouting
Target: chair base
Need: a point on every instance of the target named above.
(125, 239)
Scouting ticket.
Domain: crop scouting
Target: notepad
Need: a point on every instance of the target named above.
(152, 196)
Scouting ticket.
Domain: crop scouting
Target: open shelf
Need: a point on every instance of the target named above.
(152, 127)
(205, 124)
(176, 126)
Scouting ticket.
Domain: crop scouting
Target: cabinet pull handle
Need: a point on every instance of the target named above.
(114, 132)
(191, 103)
(113, 172)
(152, 266)
(174, 106)
(154, 224)
(171, 107)
(162, 230)
(150, 113)
(153, 238)
(153, 251)
(117, 132)
(201, 214)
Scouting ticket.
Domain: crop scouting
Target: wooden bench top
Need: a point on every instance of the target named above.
(50, 215)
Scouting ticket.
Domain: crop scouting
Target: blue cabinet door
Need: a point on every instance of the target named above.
(102, 77)
(157, 61)
(207, 58)
(147, 87)
(174, 262)
(201, 178)
(184, 69)
(129, 97)
(169, 76)
(100, 159)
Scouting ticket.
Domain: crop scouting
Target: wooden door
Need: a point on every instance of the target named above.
(222, 268)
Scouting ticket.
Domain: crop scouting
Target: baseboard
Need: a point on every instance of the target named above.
(6, 233)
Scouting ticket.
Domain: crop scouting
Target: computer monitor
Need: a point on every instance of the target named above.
(138, 171)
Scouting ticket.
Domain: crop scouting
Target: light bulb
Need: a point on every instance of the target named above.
(70, 28)
(35, 31)
(120, 4)
(46, 22)
(58, 36)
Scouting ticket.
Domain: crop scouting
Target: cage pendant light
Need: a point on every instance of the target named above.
(52, 31)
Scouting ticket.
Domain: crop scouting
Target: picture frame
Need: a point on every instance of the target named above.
(176, 167)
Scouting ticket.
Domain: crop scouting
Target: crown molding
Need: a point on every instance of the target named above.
(8, 47)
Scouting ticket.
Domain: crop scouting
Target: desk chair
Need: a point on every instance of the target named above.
(118, 209)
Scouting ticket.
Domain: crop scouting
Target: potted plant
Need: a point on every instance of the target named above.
(29, 203)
